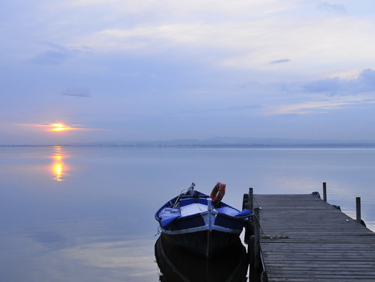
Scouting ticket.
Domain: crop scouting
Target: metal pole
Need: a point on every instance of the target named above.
(358, 209)
(325, 192)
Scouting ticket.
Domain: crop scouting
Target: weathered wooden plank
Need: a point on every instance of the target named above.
(305, 239)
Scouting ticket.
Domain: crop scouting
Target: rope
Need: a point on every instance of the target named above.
(261, 229)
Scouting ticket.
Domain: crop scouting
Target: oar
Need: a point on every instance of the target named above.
(176, 203)
(191, 187)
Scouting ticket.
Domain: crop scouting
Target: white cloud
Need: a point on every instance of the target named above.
(187, 8)
(239, 34)
(322, 104)
(332, 8)
(315, 45)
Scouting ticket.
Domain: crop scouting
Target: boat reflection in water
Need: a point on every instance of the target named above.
(176, 264)
(58, 168)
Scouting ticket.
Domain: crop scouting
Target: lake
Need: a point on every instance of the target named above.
(86, 213)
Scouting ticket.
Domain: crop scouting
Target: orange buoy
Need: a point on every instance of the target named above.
(218, 193)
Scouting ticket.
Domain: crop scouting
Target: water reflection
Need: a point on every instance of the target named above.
(93, 231)
(176, 264)
(58, 167)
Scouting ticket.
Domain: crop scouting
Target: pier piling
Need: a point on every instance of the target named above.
(257, 261)
(358, 209)
(251, 200)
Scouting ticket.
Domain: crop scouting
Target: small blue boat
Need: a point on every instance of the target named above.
(200, 223)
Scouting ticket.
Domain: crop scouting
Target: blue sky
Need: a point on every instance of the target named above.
(112, 70)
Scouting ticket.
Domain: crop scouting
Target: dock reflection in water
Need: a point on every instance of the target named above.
(58, 167)
(176, 264)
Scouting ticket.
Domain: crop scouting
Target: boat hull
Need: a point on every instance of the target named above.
(206, 243)
(177, 265)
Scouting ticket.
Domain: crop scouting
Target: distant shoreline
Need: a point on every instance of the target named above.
(239, 146)
(221, 142)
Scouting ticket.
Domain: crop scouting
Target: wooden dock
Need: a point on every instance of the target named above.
(303, 238)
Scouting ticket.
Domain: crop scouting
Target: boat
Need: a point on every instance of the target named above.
(176, 265)
(200, 223)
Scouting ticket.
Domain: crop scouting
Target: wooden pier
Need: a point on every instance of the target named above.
(303, 238)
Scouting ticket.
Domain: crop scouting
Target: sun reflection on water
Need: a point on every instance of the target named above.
(58, 167)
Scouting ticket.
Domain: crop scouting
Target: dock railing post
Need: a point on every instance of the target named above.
(358, 209)
(250, 207)
(257, 262)
(251, 200)
(325, 192)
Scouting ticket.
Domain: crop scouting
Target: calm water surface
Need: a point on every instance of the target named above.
(87, 213)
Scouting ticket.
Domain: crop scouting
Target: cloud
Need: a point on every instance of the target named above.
(240, 34)
(50, 239)
(327, 94)
(57, 55)
(365, 82)
(329, 86)
(76, 92)
(245, 43)
(332, 8)
(224, 110)
(321, 105)
(280, 61)
(75, 95)
(51, 58)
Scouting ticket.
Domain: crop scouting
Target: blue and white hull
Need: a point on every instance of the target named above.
(194, 223)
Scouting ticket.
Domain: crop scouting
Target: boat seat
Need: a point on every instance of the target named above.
(189, 201)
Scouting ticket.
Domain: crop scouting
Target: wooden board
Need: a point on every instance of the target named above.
(318, 242)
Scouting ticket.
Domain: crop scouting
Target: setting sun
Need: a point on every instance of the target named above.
(61, 127)
(58, 127)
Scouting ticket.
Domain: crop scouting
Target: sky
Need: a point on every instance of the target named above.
(111, 70)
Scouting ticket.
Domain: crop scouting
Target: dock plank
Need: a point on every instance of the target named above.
(304, 238)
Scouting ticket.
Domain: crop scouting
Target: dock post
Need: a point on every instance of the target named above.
(264, 277)
(251, 200)
(358, 209)
(250, 207)
(325, 192)
(257, 262)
